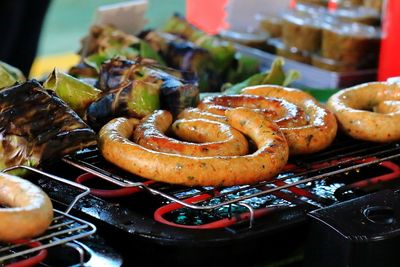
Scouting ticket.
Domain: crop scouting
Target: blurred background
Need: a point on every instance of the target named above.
(67, 21)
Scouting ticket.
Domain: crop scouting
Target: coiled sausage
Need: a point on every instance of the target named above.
(270, 157)
(354, 108)
(28, 211)
(211, 138)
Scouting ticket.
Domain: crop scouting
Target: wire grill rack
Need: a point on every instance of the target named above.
(63, 229)
(353, 155)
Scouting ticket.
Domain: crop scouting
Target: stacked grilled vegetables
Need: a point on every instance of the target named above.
(126, 88)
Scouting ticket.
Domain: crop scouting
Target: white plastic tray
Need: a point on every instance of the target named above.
(311, 76)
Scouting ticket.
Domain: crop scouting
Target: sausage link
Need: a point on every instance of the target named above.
(28, 211)
(205, 137)
(270, 157)
(321, 127)
(354, 108)
(282, 112)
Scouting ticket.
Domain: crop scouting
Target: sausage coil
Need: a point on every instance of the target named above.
(206, 138)
(28, 210)
(320, 129)
(369, 111)
(270, 157)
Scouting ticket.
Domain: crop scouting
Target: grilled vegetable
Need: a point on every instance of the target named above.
(37, 126)
(222, 52)
(106, 42)
(137, 99)
(225, 63)
(142, 88)
(9, 75)
(275, 75)
(77, 94)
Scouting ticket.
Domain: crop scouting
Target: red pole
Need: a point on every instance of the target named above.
(389, 61)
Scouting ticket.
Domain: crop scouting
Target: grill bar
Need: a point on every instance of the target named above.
(359, 156)
(50, 238)
(63, 229)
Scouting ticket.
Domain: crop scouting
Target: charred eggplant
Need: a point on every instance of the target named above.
(37, 126)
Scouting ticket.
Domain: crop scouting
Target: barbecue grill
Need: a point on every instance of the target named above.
(287, 221)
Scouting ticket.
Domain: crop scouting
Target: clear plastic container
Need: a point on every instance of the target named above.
(302, 31)
(272, 25)
(351, 43)
(314, 2)
(364, 15)
(332, 65)
(375, 4)
(350, 3)
(253, 39)
(291, 53)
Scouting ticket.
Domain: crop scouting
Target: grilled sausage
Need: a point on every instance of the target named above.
(321, 127)
(282, 112)
(195, 113)
(264, 164)
(354, 108)
(211, 138)
(28, 210)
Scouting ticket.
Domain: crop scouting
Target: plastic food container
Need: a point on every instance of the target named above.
(256, 39)
(270, 24)
(350, 43)
(302, 31)
(291, 53)
(348, 3)
(364, 15)
(332, 65)
(314, 2)
(375, 4)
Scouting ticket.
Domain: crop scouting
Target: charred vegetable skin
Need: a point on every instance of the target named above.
(224, 64)
(36, 125)
(135, 89)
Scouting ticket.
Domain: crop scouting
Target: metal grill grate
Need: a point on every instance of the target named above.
(64, 228)
(343, 156)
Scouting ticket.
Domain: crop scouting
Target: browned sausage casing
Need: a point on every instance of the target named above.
(29, 210)
(280, 111)
(321, 127)
(211, 138)
(264, 164)
(354, 108)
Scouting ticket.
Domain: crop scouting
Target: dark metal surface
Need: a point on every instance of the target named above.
(132, 218)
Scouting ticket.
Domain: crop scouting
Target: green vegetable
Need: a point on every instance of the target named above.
(144, 98)
(9, 75)
(275, 76)
(77, 94)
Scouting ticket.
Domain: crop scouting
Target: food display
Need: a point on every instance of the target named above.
(368, 111)
(205, 123)
(28, 212)
(342, 40)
